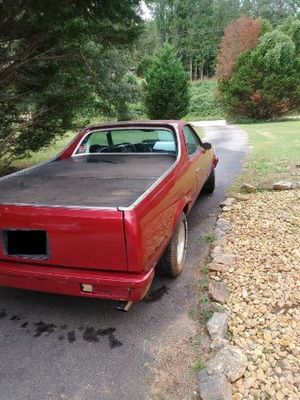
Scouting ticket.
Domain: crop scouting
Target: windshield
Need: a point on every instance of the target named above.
(143, 140)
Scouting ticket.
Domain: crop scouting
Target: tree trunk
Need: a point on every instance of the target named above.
(196, 72)
(202, 71)
(191, 69)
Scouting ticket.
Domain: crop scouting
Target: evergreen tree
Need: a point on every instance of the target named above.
(60, 60)
(266, 80)
(166, 86)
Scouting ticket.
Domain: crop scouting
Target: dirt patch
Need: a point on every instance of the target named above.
(179, 351)
(266, 134)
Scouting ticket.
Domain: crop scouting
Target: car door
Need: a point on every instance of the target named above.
(198, 158)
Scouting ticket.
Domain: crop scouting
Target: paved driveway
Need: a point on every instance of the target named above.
(58, 347)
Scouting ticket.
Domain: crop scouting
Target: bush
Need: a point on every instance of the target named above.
(203, 104)
(266, 80)
(166, 87)
(144, 65)
(129, 93)
(291, 27)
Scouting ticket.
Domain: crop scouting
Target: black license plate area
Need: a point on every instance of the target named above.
(26, 243)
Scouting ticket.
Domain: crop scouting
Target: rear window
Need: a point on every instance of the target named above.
(146, 140)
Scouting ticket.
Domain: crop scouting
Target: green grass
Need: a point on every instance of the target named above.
(274, 154)
(46, 153)
(203, 104)
(198, 366)
(208, 238)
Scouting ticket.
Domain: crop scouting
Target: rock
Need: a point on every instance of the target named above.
(282, 185)
(242, 197)
(214, 387)
(264, 293)
(223, 225)
(218, 291)
(218, 343)
(227, 202)
(260, 374)
(217, 250)
(226, 208)
(230, 361)
(217, 325)
(226, 259)
(218, 267)
(219, 233)
(248, 188)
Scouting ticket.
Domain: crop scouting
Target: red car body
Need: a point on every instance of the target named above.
(113, 249)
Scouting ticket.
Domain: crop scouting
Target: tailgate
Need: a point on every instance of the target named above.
(63, 237)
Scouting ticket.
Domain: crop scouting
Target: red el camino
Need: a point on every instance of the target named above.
(98, 219)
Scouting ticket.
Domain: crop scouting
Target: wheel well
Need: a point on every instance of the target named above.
(186, 208)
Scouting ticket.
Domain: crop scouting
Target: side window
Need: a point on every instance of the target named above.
(192, 140)
(93, 143)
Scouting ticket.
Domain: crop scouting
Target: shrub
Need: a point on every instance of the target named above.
(291, 27)
(203, 103)
(144, 65)
(166, 87)
(129, 93)
(266, 80)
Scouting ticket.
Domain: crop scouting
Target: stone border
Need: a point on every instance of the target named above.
(228, 363)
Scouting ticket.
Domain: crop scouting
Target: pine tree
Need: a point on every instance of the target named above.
(166, 86)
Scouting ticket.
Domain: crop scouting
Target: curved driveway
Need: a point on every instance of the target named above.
(57, 347)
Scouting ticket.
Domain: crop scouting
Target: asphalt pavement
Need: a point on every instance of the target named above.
(58, 347)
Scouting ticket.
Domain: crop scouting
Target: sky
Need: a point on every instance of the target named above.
(146, 13)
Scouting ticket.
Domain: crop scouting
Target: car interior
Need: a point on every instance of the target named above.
(129, 141)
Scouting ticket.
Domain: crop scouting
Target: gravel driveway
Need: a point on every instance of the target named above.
(58, 347)
(264, 286)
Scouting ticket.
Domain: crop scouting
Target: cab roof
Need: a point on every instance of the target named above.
(174, 123)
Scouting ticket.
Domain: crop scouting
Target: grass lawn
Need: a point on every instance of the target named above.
(45, 153)
(275, 154)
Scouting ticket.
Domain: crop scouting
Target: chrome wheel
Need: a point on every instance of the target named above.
(172, 262)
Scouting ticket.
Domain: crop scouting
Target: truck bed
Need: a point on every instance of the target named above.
(87, 181)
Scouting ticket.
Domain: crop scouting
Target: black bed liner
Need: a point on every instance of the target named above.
(87, 181)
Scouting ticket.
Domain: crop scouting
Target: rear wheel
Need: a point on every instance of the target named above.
(209, 185)
(172, 262)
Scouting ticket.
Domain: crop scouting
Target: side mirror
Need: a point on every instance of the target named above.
(206, 146)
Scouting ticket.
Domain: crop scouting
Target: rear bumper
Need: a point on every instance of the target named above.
(106, 285)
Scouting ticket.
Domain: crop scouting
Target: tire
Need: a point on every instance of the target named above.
(172, 262)
(209, 185)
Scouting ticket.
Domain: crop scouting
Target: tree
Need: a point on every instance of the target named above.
(266, 80)
(240, 36)
(195, 36)
(275, 11)
(166, 86)
(194, 28)
(291, 27)
(144, 65)
(59, 61)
